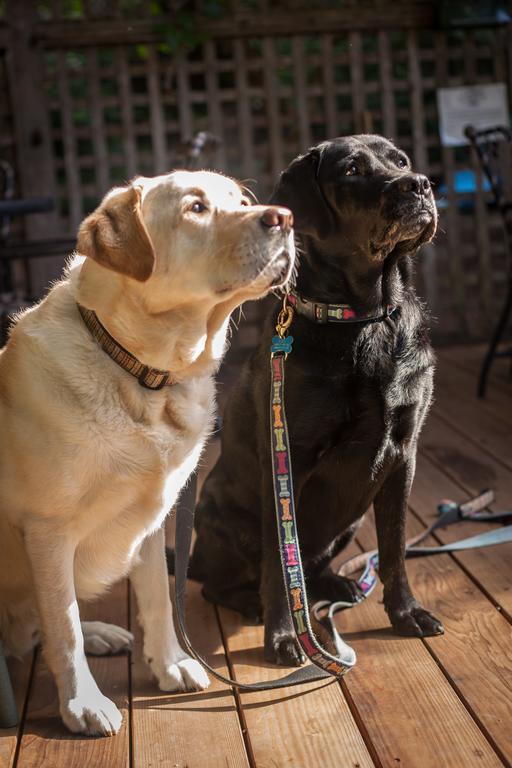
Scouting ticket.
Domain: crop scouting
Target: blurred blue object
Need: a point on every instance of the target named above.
(464, 183)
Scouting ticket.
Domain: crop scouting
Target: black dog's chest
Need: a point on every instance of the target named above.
(373, 420)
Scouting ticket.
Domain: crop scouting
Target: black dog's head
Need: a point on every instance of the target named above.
(358, 196)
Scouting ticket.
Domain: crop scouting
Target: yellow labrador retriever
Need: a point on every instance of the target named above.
(106, 400)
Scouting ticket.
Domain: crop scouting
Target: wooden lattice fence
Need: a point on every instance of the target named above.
(113, 101)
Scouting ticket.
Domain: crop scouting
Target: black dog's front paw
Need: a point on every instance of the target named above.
(284, 650)
(415, 621)
(330, 586)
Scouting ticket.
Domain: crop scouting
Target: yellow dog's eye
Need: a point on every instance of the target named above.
(244, 201)
(198, 207)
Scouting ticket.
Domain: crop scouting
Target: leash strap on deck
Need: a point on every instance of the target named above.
(449, 512)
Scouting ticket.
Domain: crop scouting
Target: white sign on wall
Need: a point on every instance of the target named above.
(482, 106)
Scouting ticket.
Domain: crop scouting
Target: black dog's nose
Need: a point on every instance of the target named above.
(277, 217)
(414, 182)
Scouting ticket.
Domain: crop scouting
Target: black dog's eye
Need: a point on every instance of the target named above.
(401, 162)
(198, 207)
(352, 170)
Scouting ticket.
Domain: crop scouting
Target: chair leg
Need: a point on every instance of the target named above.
(498, 333)
(8, 710)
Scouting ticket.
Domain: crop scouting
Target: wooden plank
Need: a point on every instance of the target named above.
(125, 100)
(271, 95)
(476, 657)
(97, 125)
(464, 462)
(329, 88)
(301, 94)
(410, 711)
(469, 358)
(197, 730)
(357, 81)
(464, 465)
(475, 423)
(291, 727)
(58, 33)
(45, 742)
(20, 672)
(388, 101)
(159, 149)
(490, 567)
(497, 401)
(244, 110)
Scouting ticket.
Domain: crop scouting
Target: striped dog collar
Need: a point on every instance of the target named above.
(322, 313)
(150, 378)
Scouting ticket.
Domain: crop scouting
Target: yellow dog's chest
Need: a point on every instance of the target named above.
(129, 502)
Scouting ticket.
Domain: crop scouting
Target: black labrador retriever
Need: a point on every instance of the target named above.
(356, 396)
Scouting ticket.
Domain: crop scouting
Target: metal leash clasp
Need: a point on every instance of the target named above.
(285, 317)
(282, 343)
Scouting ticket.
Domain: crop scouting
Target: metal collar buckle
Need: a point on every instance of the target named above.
(321, 313)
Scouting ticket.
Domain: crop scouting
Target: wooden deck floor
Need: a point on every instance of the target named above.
(445, 701)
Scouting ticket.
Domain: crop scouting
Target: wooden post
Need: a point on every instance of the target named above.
(244, 110)
(329, 87)
(157, 122)
(125, 99)
(272, 96)
(455, 252)
(480, 219)
(388, 102)
(97, 125)
(301, 95)
(427, 257)
(34, 154)
(357, 81)
(32, 132)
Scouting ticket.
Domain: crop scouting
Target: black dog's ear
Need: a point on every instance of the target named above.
(299, 190)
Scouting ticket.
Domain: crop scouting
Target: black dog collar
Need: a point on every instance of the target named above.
(319, 312)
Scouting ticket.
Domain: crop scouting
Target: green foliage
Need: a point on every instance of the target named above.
(180, 30)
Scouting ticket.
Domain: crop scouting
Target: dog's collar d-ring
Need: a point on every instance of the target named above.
(320, 312)
(149, 378)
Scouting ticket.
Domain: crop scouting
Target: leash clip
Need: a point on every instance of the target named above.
(285, 318)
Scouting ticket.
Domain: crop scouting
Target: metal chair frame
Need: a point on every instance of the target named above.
(487, 144)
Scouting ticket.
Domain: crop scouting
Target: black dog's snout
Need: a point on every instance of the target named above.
(277, 217)
(414, 182)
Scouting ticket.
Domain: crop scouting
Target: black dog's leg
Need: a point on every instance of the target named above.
(324, 584)
(405, 613)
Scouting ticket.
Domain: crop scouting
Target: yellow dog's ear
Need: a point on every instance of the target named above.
(116, 237)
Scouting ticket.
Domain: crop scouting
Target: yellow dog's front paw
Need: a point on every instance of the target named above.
(185, 675)
(91, 714)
